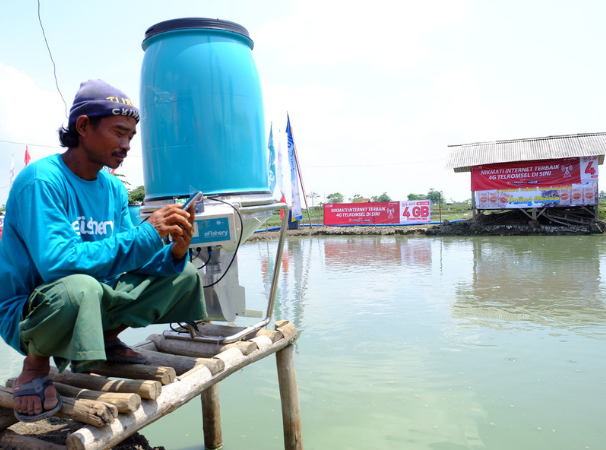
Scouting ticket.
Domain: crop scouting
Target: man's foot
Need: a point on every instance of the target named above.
(120, 353)
(34, 368)
(117, 351)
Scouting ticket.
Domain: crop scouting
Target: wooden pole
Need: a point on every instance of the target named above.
(148, 389)
(93, 413)
(473, 206)
(211, 418)
(124, 402)
(164, 375)
(289, 396)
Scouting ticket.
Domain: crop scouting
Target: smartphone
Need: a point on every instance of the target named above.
(191, 200)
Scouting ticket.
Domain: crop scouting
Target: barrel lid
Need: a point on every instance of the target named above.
(193, 23)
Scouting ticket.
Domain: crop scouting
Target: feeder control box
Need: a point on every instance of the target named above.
(215, 227)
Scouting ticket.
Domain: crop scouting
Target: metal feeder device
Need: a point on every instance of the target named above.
(203, 129)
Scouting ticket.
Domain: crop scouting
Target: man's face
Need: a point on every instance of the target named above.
(107, 142)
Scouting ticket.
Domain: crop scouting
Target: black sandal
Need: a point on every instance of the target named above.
(113, 357)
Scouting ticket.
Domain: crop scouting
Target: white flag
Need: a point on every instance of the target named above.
(11, 176)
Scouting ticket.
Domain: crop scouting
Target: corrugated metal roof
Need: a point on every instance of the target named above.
(462, 156)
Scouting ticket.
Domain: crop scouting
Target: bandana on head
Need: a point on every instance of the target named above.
(96, 98)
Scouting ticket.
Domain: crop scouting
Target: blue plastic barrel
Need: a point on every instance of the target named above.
(133, 211)
(203, 123)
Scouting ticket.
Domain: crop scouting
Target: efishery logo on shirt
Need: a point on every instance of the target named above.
(81, 226)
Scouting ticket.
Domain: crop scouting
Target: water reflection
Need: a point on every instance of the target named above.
(290, 299)
(552, 281)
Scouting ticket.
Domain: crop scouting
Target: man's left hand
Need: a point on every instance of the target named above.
(180, 244)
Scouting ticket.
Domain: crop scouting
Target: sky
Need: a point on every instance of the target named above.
(376, 91)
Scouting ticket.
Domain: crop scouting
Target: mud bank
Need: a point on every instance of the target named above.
(55, 430)
(342, 231)
(460, 228)
(468, 228)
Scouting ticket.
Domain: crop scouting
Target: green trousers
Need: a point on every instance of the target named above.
(66, 319)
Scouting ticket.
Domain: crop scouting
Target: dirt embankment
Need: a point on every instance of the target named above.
(341, 231)
(512, 223)
(55, 430)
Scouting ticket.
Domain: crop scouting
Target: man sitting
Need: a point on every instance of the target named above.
(74, 271)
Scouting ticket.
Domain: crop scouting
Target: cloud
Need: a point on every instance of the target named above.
(30, 116)
(386, 34)
(27, 112)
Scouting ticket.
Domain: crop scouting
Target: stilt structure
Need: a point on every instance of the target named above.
(112, 410)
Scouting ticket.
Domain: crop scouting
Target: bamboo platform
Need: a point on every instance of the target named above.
(118, 400)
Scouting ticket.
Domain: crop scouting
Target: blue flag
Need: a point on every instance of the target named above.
(272, 162)
(297, 212)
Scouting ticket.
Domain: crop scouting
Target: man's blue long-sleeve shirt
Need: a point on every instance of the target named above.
(58, 224)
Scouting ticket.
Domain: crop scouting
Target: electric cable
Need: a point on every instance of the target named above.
(239, 239)
(52, 60)
(31, 145)
(210, 253)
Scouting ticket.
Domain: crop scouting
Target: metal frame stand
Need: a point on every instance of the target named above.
(272, 293)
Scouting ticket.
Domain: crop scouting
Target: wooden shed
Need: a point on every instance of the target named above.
(532, 173)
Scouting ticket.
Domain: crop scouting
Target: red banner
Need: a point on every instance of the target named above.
(524, 174)
(409, 212)
(536, 184)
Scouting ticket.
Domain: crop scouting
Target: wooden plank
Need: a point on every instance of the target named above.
(173, 396)
(11, 440)
(180, 363)
(124, 403)
(145, 389)
(287, 329)
(7, 418)
(275, 336)
(164, 375)
(93, 413)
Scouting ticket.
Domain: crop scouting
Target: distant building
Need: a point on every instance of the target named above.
(532, 173)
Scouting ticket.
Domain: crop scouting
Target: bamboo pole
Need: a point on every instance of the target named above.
(145, 389)
(289, 396)
(211, 418)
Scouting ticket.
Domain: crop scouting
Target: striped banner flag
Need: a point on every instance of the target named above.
(272, 161)
(297, 212)
(11, 174)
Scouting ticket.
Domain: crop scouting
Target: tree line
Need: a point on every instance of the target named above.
(436, 197)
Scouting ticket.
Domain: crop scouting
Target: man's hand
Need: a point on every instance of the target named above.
(171, 219)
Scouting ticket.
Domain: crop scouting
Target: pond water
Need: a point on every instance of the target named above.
(420, 343)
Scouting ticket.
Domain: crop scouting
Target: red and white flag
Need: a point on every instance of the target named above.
(27, 157)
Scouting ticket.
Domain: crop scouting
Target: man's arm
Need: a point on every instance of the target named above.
(171, 259)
